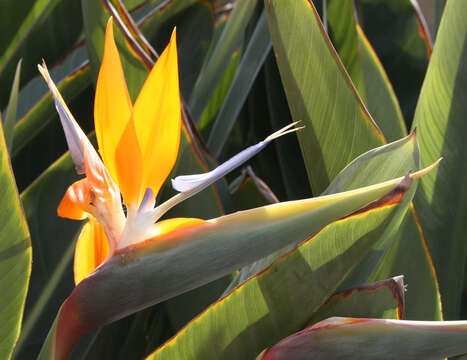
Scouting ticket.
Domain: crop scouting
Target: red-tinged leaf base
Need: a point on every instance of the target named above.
(65, 333)
(352, 338)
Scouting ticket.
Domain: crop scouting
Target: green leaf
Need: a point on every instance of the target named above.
(15, 256)
(333, 140)
(259, 312)
(183, 260)
(440, 121)
(52, 273)
(348, 338)
(398, 157)
(398, 32)
(409, 255)
(217, 99)
(313, 77)
(406, 252)
(10, 118)
(383, 299)
(379, 94)
(220, 23)
(252, 61)
(289, 156)
(438, 13)
(229, 42)
(364, 68)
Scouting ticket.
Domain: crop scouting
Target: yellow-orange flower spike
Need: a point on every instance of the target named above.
(112, 104)
(129, 166)
(157, 117)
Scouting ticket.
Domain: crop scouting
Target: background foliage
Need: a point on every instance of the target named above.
(360, 75)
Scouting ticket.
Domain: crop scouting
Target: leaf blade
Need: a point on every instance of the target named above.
(344, 338)
(439, 119)
(15, 256)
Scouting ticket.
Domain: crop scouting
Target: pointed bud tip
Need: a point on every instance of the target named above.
(426, 170)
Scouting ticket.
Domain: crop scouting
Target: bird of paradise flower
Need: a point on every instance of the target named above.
(139, 146)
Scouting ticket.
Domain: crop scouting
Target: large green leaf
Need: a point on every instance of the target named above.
(229, 42)
(400, 37)
(15, 256)
(406, 250)
(319, 92)
(52, 240)
(349, 338)
(439, 118)
(262, 310)
(182, 260)
(332, 138)
(383, 299)
(398, 157)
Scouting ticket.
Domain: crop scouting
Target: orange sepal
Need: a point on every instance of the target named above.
(112, 105)
(75, 201)
(128, 164)
(157, 117)
(91, 249)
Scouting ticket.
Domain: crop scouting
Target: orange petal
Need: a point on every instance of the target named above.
(91, 249)
(157, 116)
(74, 203)
(129, 166)
(112, 105)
